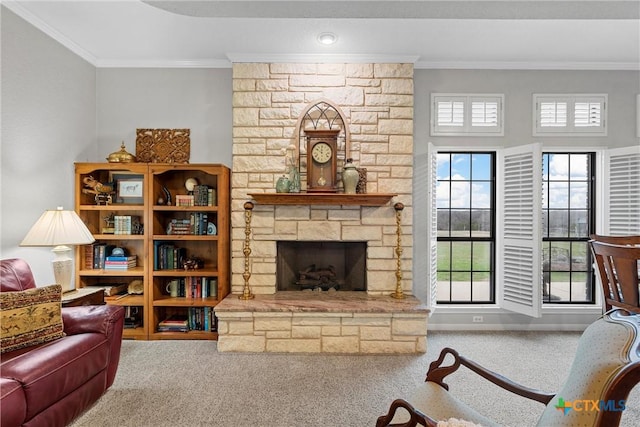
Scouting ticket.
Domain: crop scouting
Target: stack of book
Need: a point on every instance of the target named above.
(120, 262)
(203, 195)
(126, 224)
(179, 226)
(184, 200)
(175, 323)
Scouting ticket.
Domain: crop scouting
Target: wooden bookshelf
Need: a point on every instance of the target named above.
(158, 181)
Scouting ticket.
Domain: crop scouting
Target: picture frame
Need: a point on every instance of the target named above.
(129, 187)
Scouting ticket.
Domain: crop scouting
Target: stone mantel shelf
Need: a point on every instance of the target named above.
(369, 199)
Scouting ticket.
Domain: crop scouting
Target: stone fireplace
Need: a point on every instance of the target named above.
(377, 102)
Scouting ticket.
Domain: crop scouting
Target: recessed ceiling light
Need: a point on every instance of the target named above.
(327, 38)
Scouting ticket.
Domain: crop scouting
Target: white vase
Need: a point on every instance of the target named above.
(350, 177)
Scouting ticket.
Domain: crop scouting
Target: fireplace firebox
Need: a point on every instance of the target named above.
(321, 265)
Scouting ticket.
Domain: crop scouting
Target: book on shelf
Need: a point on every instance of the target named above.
(201, 195)
(120, 262)
(198, 287)
(185, 200)
(114, 258)
(110, 289)
(98, 255)
(179, 226)
(126, 224)
(174, 323)
(168, 256)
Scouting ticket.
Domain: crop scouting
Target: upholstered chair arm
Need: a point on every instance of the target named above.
(92, 318)
(417, 417)
(437, 373)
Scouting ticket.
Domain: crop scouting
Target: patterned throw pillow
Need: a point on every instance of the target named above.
(30, 317)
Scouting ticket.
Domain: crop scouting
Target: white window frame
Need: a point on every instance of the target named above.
(610, 175)
(467, 127)
(570, 128)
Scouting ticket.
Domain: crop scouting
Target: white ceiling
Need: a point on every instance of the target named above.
(503, 34)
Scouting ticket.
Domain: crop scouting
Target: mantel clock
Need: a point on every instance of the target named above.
(322, 160)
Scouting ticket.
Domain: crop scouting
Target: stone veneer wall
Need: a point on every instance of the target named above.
(377, 100)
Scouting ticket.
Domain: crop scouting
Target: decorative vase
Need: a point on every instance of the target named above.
(350, 177)
(282, 185)
(294, 180)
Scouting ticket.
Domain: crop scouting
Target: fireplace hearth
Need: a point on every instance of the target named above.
(321, 266)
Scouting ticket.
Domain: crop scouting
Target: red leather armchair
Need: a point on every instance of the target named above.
(51, 384)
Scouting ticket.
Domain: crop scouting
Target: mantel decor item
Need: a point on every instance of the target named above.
(361, 188)
(322, 160)
(350, 177)
(121, 156)
(59, 228)
(292, 167)
(283, 184)
(163, 145)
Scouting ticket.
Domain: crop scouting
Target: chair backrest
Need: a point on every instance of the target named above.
(616, 240)
(618, 270)
(605, 369)
(15, 275)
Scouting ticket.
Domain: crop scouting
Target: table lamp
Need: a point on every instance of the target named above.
(59, 228)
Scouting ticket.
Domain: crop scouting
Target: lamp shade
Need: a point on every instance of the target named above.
(58, 227)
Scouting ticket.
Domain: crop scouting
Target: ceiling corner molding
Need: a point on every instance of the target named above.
(48, 30)
(322, 58)
(575, 66)
(159, 63)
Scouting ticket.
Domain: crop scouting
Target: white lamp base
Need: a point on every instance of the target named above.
(63, 267)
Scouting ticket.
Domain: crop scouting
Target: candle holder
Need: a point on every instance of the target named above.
(246, 291)
(398, 294)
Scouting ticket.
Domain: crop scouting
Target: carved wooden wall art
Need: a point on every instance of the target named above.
(163, 145)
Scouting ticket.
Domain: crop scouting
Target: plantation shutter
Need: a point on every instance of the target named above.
(467, 114)
(521, 214)
(570, 115)
(485, 113)
(587, 114)
(553, 114)
(449, 113)
(432, 231)
(622, 194)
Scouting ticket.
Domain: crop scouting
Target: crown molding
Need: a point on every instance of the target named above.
(162, 63)
(50, 31)
(504, 65)
(310, 58)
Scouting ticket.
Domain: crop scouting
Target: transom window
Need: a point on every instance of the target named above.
(466, 227)
(570, 115)
(467, 114)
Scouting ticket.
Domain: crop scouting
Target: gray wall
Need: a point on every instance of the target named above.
(197, 99)
(48, 122)
(518, 86)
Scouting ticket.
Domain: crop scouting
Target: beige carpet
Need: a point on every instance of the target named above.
(188, 383)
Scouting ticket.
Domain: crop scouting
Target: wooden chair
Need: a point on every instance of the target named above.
(605, 369)
(616, 240)
(617, 264)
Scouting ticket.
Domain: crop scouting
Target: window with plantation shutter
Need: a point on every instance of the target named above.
(569, 115)
(467, 114)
